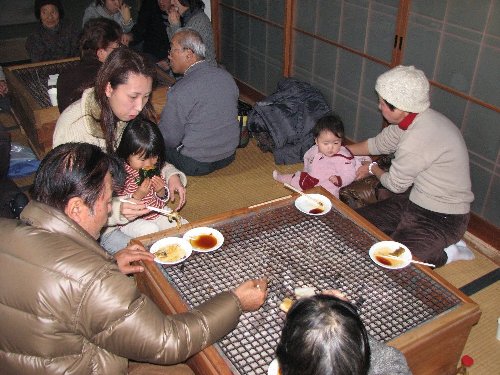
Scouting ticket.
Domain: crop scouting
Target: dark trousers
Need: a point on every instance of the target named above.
(192, 167)
(426, 233)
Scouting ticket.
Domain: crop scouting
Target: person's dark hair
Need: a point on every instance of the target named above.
(119, 64)
(98, 33)
(40, 3)
(331, 123)
(142, 137)
(75, 170)
(193, 4)
(391, 106)
(323, 335)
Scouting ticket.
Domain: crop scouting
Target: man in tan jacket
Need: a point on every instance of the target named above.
(65, 305)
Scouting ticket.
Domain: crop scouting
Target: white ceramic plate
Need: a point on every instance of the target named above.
(204, 239)
(387, 247)
(308, 206)
(179, 249)
(273, 368)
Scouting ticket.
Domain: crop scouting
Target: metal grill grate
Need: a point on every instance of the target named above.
(295, 250)
(35, 79)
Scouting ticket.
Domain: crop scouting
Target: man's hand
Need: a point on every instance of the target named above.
(335, 293)
(252, 294)
(132, 253)
(133, 210)
(175, 185)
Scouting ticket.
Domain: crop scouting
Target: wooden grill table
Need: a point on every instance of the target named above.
(412, 309)
(30, 102)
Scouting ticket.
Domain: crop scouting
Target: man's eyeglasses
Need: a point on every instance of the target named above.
(172, 50)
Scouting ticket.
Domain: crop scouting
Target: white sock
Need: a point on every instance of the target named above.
(458, 251)
(276, 175)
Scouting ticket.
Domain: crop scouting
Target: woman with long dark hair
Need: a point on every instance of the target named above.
(122, 91)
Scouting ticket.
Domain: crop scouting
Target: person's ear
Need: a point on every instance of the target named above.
(74, 209)
(109, 89)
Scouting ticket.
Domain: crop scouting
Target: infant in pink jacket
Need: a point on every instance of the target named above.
(327, 163)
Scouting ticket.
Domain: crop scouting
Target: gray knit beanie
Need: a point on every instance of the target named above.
(405, 87)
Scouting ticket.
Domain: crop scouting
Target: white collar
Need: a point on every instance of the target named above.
(193, 64)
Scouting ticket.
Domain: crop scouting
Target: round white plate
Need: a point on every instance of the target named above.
(169, 241)
(307, 206)
(273, 368)
(387, 247)
(204, 234)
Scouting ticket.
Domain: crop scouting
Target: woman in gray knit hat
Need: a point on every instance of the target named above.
(429, 174)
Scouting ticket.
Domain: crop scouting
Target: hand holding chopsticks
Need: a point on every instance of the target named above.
(319, 203)
(171, 215)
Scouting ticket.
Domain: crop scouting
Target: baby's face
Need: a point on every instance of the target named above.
(328, 143)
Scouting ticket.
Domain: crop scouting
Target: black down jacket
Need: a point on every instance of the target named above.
(288, 115)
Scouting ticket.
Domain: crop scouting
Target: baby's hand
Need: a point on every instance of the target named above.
(335, 180)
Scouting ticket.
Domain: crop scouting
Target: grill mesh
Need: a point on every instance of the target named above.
(295, 250)
(35, 79)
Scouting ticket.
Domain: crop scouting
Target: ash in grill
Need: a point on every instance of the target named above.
(295, 250)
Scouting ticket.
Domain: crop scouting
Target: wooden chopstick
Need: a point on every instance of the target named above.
(411, 260)
(271, 201)
(303, 194)
(159, 210)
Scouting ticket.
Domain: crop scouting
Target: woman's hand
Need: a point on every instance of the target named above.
(126, 38)
(125, 11)
(158, 186)
(362, 171)
(132, 211)
(174, 17)
(132, 253)
(175, 185)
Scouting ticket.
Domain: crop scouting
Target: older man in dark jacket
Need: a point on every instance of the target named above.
(65, 305)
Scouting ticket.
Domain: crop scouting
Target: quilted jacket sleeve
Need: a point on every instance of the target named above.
(127, 323)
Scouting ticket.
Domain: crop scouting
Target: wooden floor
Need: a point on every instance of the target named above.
(249, 181)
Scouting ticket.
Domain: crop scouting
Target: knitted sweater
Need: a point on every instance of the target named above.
(52, 44)
(201, 113)
(200, 22)
(96, 11)
(78, 124)
(385, 360)
(432, 156)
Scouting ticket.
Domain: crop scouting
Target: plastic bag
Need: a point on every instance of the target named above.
(23, 161)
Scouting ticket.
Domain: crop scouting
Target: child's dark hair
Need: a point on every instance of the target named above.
(142, 137)
(323, 335)
(332, 123)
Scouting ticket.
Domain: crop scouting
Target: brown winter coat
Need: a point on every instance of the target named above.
(66, 308)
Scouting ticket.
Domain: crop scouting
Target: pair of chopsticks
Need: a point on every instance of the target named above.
(159, 210)
(411, 260)
(319, 203)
